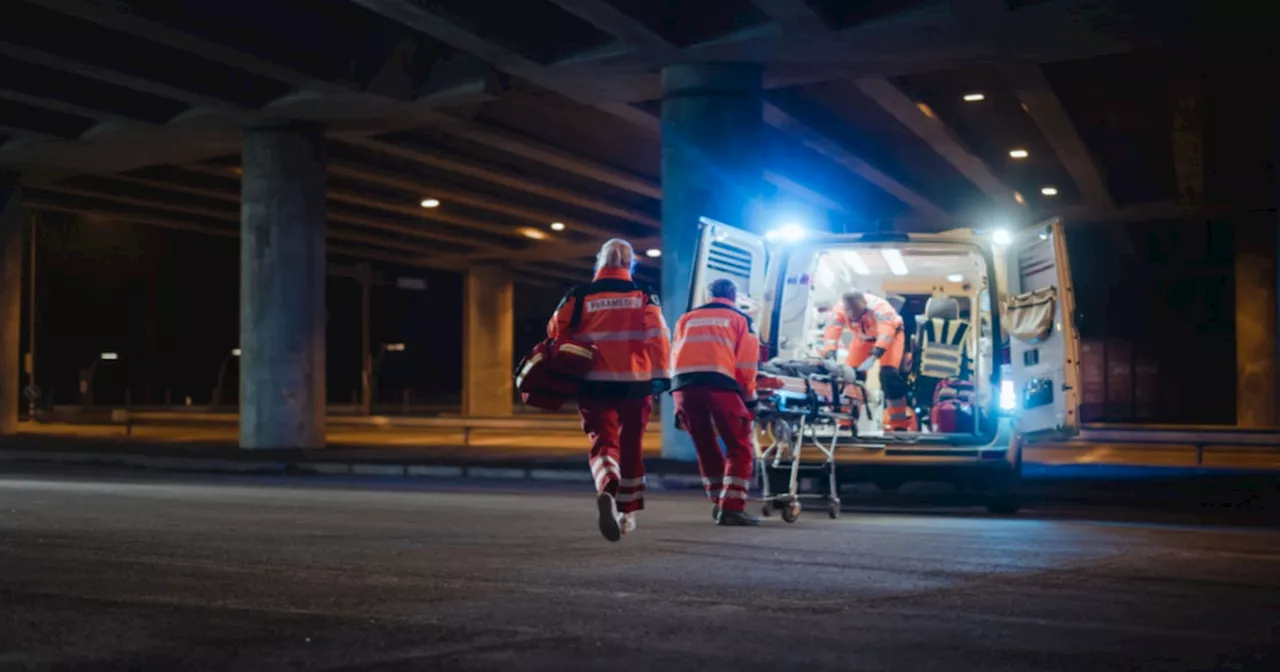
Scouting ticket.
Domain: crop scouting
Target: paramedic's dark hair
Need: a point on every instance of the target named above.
(853, 294)
(722, 288)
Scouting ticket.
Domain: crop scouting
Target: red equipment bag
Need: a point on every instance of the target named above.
(952, 410)
(553, 371)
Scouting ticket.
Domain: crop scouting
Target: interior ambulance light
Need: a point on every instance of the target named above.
(856, 263)
(1001, 237)
(653, 253)
(531, 233)
(235, 352)
(1008, 401)
(557, 226)
(395, 347)
(1049, 191)
(974, 97)
(787, 233)
(895, 261)
(110, 356)
(1019, 153)
(430, 203)
(955, 277)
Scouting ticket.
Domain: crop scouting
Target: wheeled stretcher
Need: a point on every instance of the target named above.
(798, 398)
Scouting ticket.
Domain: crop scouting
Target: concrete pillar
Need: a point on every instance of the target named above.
(488, 335)
(1257, 377)
(282, 276)
(712, 165)
(11, 220)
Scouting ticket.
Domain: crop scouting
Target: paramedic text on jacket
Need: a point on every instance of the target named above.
(624, 321)
(877, 336)
(715, 356)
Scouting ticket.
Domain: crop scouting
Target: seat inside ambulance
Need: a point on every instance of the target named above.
(940, 291)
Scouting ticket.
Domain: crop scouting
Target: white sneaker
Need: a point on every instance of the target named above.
(609, 523)
(627, 522)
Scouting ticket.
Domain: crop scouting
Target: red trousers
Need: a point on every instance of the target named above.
(616, 428)
(706, 412)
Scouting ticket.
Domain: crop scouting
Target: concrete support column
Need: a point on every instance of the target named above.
(1257, 326)
(11, 221)
(282, 283)
(488, 336)
(712, 166)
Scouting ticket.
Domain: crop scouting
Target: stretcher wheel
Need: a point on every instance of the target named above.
(767, 509)
(834, 510)
(792, 513)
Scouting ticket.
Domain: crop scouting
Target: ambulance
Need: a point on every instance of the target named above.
(991, 313)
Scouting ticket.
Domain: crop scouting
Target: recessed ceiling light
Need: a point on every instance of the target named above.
(430, 203)
(557, 226)
(1017, 196)
(955, 277)
(1049, 191)
(535, 234)
(974, 97)
(1018, 153)
(928, 111)
(653, 253)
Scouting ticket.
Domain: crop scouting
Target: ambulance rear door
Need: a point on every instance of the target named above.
(729, 252)
(1039, 316)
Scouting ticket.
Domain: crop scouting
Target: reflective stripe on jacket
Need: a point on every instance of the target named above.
(716, 346)
(879, 323)
(625, 323)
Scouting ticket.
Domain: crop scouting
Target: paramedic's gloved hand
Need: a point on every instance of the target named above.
(866, 365)
(877, 352)
(830, 354)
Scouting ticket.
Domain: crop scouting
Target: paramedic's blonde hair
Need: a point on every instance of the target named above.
(616, 253)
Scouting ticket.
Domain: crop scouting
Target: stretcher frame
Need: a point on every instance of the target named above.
(789, 416)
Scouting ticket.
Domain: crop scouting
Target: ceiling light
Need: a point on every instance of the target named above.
(1018, 153)
(955, 277)
(1017, 196)
(974, 97)
(894, 259)
(235, 352)
(787, 233)
(928, 111)
(430, 203)
(110, 356)
(557, 226)
(653, 253)
(1049, 191)
(856, 263)
(1001, 237)
(532, 233)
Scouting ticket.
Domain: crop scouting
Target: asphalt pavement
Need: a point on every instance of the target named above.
(124, 571)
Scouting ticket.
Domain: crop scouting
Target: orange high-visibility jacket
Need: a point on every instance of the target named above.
(716, 346)
(624, 321)
(880, 323)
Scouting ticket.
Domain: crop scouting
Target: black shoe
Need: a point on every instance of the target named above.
(715, 512)
(608, 509)
(736, 518)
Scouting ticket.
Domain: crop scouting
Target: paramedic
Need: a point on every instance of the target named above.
(877, 336)
(624, 321)
(714, 385)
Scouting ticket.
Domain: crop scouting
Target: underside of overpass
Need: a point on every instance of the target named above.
(536, 128)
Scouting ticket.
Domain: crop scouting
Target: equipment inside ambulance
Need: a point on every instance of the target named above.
(963, 297)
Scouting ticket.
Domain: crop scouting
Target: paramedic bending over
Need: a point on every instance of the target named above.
(624, 322)
(877, 336)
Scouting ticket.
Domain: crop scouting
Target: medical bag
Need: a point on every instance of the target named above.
(952, 410)
(552, 373)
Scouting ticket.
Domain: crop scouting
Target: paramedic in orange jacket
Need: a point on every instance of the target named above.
(624, 321)
(877, 336)
(714, 360)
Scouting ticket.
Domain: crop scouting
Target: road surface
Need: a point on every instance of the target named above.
(127, 572)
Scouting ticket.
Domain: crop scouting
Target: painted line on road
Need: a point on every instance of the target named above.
(433, 470)
(378, 469)
(580, 475)
(493, 472)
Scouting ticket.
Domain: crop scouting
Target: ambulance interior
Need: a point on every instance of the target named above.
(946, 284)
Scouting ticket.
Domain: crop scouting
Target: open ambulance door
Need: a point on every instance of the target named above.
(1039, 315)
(728, 252)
